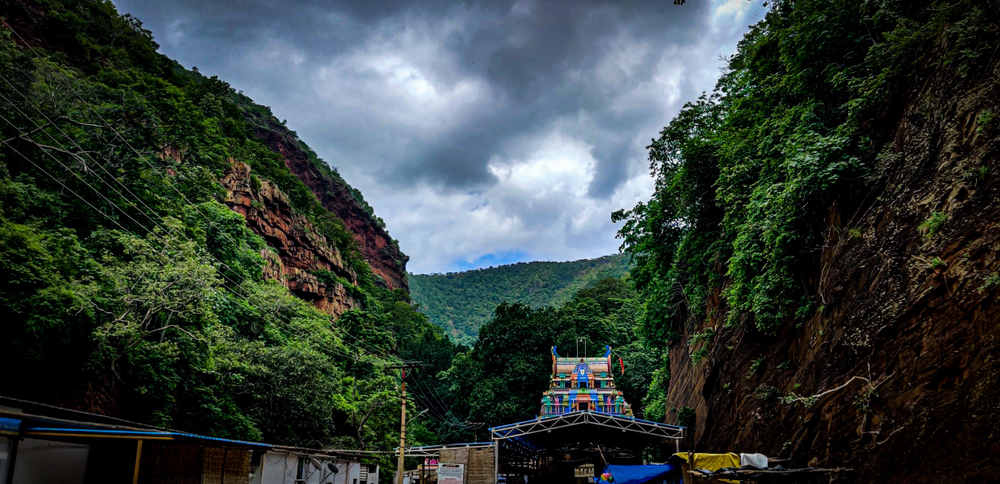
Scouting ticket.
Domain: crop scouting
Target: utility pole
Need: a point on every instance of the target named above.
(402, 427)
(402, 420)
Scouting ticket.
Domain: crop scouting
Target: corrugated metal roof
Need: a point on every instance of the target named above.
(78, 431)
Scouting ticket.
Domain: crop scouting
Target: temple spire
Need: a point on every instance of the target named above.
(583, 384)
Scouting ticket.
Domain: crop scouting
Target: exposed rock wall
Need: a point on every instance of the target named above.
(300, 250)
(374, 242)
(904, 350)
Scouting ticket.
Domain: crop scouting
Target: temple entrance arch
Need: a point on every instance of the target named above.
(583, 420)
(549, 449)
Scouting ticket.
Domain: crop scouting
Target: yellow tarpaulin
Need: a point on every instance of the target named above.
(712, 462)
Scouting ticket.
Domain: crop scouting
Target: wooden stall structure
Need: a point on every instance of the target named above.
(709, 468)
(43, 443)
(297, 465)
(478, 459)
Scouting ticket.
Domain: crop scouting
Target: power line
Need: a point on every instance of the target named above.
(444, 406)
(167, 227)
(109, 202)
(437, 413)
(137, 153)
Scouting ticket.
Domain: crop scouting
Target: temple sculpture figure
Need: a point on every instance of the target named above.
(583, 384)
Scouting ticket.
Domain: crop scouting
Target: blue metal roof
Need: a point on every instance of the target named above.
(143, 433)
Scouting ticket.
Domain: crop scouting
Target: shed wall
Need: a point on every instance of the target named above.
(478, 463)
(49, 461)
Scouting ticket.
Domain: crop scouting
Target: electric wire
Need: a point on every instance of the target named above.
(437, 415)
(447, 410)
(436, 396)
(112, 205)
(137, 153)
(84, 153)
(450, 420)
(433, 411)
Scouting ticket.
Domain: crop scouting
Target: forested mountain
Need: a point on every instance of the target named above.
(820, 251)
(462, 302)
(170, 253)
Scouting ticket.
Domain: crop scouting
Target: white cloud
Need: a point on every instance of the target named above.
(175, 32)
(399, 99)
(538, 206)
(395, 79)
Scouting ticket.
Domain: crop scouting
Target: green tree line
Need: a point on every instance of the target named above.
(462, 302)
(502, 377)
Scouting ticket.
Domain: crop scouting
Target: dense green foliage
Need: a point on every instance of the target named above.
(746, 175)
(463, 302)
(508, 369)
(126, 284)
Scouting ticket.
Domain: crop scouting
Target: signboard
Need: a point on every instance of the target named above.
(9, 426)
(451, 473)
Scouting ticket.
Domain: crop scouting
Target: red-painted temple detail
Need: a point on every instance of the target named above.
(583, 384)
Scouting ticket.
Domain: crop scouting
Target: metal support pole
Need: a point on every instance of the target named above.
(496, 460)
(138, 458)
(402, 428)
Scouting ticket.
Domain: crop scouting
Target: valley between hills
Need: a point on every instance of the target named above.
(815, 276)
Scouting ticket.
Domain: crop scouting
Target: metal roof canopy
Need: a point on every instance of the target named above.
(551, 432)
(90, 433)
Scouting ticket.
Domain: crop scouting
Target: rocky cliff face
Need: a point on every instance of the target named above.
(898, 372)
(298, 250)
(374, 242)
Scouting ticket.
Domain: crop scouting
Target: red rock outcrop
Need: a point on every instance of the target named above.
(374, 242)
(898, 373)
(298, 250)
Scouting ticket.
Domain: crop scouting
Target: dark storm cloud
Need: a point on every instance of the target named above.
(523, 50)
(462, 99)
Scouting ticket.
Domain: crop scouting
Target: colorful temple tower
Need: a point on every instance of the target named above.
(583, 384)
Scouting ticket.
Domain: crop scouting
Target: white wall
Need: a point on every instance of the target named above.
(278, 468)
(43, 461)
(281, 468)
(4, 458)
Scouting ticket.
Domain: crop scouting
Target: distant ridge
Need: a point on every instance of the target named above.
(461, 302)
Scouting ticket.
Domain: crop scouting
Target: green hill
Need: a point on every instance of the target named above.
(137, 202)
(461, 302)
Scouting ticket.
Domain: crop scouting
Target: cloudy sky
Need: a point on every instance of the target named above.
(483, 133)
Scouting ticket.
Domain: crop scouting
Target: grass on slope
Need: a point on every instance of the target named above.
(462, 302)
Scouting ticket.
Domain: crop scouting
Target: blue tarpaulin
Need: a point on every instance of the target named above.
(640, 474)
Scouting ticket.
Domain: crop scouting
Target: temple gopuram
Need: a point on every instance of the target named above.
(583, 384)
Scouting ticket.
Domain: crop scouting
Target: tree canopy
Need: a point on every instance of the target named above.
(463, 302)
(127, 286)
